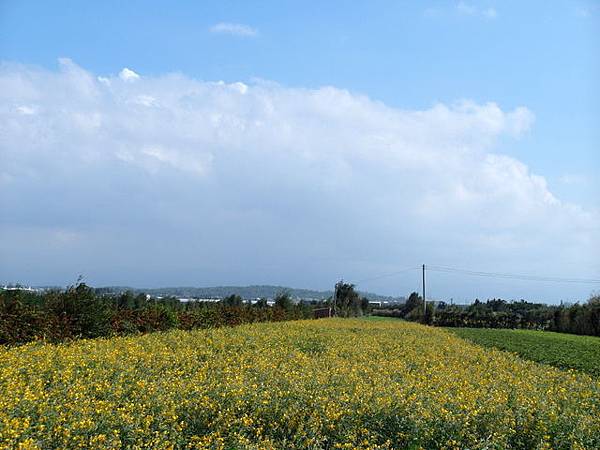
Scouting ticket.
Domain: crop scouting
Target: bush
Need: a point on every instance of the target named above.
(581, 319)
(81, 312)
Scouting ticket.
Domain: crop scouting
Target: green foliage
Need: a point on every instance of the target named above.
(496, 313)
(261, 303)
(429, 314)
(579, 319)
(411, 310)
(415, 314)
(414, 302)
(283, 300)
(556, 349)
(82, 312)
(347, 302)
(20, 318)
(232, 300)
(365, 306)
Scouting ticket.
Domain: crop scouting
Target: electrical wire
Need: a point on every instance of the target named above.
(512, 276)
(390, 274)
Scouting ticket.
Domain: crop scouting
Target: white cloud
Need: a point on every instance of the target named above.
(26, 110)
(261, 179)
(145, 100)
(469, 9)
(241, 87)
(127, 75)
(236, 29)
(465, 8)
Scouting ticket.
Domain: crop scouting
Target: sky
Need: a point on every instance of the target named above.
(228, 143)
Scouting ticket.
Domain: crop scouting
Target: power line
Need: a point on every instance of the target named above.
(513, 276)
(390, 274)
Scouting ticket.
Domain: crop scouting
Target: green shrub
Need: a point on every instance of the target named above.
(80, 312)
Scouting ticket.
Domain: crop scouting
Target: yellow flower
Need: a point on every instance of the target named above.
(342, 383)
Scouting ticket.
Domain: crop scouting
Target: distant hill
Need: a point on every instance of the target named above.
(246, 292)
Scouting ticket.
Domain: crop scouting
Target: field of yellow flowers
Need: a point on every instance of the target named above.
(332, 383)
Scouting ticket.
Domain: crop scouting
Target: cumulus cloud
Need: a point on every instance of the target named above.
(173, 180)
(235, 29)
(127, 75)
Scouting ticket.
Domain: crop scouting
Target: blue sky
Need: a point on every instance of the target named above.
(407, 57)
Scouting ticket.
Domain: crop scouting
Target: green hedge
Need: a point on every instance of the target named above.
(581, 319)
(79, 312)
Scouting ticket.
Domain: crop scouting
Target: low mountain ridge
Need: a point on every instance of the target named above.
(246, 292)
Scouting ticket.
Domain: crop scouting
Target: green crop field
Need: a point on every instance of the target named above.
(566, 351)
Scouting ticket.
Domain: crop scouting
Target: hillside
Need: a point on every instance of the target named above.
(246, 292)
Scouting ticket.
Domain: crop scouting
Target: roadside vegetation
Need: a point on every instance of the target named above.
(332, 383)
(583, 319)
(556, 349)
(81, 311)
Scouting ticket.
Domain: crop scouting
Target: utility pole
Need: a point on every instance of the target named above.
(335, 297)
(424, 301)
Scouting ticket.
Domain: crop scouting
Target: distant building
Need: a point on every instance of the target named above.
(19, 288)
(321, 313)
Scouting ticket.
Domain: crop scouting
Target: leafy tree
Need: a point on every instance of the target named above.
(413, 303)
(365, 306)
(283, 300)
(347, 302)
(232, 300)
(80, 312)
(261, 303)
(429, 313)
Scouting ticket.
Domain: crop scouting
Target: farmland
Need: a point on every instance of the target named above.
(332, 383)
(566, 351)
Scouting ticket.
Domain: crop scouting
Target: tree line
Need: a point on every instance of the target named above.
(81, 311)
(578, 318)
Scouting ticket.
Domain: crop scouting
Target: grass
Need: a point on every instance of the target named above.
(330, 383)
(565, 351)
(378, 319)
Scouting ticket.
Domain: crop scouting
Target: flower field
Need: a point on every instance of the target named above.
(332, 383)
